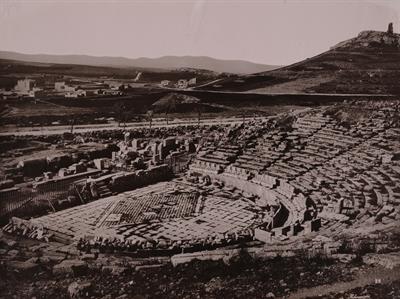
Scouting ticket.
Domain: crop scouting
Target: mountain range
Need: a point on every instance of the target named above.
(165, 62)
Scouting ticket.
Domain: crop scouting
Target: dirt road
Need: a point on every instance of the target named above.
(51, 130)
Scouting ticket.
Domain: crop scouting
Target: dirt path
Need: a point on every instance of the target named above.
(363, 279)
(49, 130)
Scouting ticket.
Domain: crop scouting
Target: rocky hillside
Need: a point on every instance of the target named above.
(366, 64)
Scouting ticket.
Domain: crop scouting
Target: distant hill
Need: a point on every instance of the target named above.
(366, 64)
(165, 62)
(12, 70)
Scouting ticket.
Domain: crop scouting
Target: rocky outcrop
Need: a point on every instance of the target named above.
(371, 39)
(389, 260)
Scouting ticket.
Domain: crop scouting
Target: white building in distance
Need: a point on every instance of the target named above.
(192, 81)
(76, 94)
(25, 85)
(165, 83)
(62, 87)
(182, 83)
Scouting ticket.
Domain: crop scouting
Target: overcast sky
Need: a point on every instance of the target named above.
(270, 32)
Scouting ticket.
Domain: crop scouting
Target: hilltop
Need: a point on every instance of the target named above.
(366, 64)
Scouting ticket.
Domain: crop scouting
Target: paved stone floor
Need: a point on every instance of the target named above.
(160, 211)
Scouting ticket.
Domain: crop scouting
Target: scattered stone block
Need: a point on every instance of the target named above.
(75, 267)
(23, 267)
(115, 270)
(12, 254)
(79, 289)
(68, 249)
(52, 258)
(36, 247)
(11, 243)
(344, 258)
(34, 260)
(88, 256)
(147, 267)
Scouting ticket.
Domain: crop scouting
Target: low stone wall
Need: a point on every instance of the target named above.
(60, 182)
(130, 181)
(226, 254)
(213, 255)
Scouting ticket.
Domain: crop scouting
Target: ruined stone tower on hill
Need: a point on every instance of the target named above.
(390, 28)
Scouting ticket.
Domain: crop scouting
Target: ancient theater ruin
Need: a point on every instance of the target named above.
(300, 180)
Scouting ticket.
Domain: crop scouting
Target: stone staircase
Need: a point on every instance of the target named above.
(103, 189)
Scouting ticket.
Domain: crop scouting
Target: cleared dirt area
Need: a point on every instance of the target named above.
(39, 108)
(364, 278)
(296, 85)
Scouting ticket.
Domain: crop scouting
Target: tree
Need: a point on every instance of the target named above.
(199, 109)
(150, 117)
(256, 109)
(171, 106)
(169, 103)
(244, 115)
(72, 122)
(120, 112)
